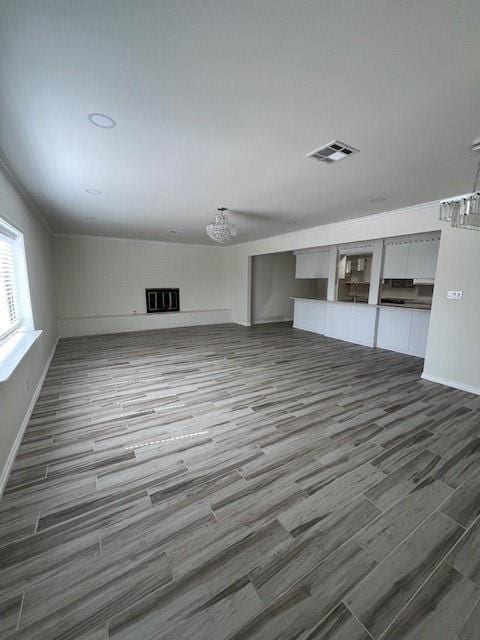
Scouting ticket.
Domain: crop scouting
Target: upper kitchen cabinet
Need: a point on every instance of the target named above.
(411, 258)
(312, 263)
(396, 260)
(422, 259)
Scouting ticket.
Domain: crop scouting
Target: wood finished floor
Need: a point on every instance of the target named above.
(298, 488)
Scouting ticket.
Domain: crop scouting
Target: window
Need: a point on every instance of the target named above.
(17, 333)
(9, 309)
(15, 310)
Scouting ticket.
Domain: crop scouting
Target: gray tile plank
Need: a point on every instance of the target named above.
(338, 625)
(438, 610)
(381, 536)
(403, 480)
(307, 512)
(302, 606)
(464, 505)
(465, 556)
(378, 599)
(220, 567)
(9, 614)
(295, 559)
(297, 426)
(470, 630)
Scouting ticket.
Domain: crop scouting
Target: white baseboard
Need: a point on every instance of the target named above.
(5, 472)
(451, 383)
(272, 320)
(404, 351)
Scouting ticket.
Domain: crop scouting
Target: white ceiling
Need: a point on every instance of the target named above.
(218, 101)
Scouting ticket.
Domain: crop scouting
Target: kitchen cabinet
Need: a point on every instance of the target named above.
(392, 328)
(312, 264)
(310, 315)
(353, 322)
(403, 330)
(338, 320)
(419, 333)
(396, 260)
(411, 259)
(422, 259)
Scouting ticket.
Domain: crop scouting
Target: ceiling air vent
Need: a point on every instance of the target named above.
(333, 152)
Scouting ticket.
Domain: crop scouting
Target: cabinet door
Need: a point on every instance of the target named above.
(396, 259)
(362, 325)
(393, 330)
(312, 265)
(419, 333)
(305, 265)
(310, 315)
(338, 321)
(422, 259)
(322, 264)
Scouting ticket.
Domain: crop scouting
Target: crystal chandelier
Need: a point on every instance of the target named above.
(221, 230)
(463, 212)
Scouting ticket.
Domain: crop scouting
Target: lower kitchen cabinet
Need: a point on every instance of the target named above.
(310, 315)
(392, 328)
(403, 330)
(352, 322)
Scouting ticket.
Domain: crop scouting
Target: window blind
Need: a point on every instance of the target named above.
(9, 306)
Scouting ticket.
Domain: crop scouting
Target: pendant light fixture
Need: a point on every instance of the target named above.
(221, 230)
(463, 212)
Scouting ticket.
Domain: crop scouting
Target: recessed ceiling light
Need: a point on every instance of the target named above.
(378, 199)
(102, 120)
(93, 192)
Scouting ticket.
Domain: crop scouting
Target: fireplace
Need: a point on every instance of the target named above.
(162, 300)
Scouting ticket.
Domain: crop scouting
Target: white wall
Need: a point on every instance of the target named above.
(453, 350)
(101, 282)
(17, 392)
(273, 281)
(394, 223)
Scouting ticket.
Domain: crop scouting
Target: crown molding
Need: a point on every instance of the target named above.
(21, 191)
(86, 236)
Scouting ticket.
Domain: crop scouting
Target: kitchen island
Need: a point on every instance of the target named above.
(391, 327)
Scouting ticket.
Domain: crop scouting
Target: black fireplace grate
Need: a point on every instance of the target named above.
(162, 300)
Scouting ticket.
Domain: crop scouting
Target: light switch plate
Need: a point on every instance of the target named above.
(454, 295)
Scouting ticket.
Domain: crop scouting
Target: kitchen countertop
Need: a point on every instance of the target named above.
(412, 306)
(415, 307)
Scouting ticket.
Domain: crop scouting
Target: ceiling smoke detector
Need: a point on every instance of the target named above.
(334, 151)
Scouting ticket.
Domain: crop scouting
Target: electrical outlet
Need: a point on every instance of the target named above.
(454, 295)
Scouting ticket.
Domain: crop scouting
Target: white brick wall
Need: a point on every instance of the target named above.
(97, 277)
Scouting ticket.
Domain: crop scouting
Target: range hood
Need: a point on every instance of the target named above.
(423, 281)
